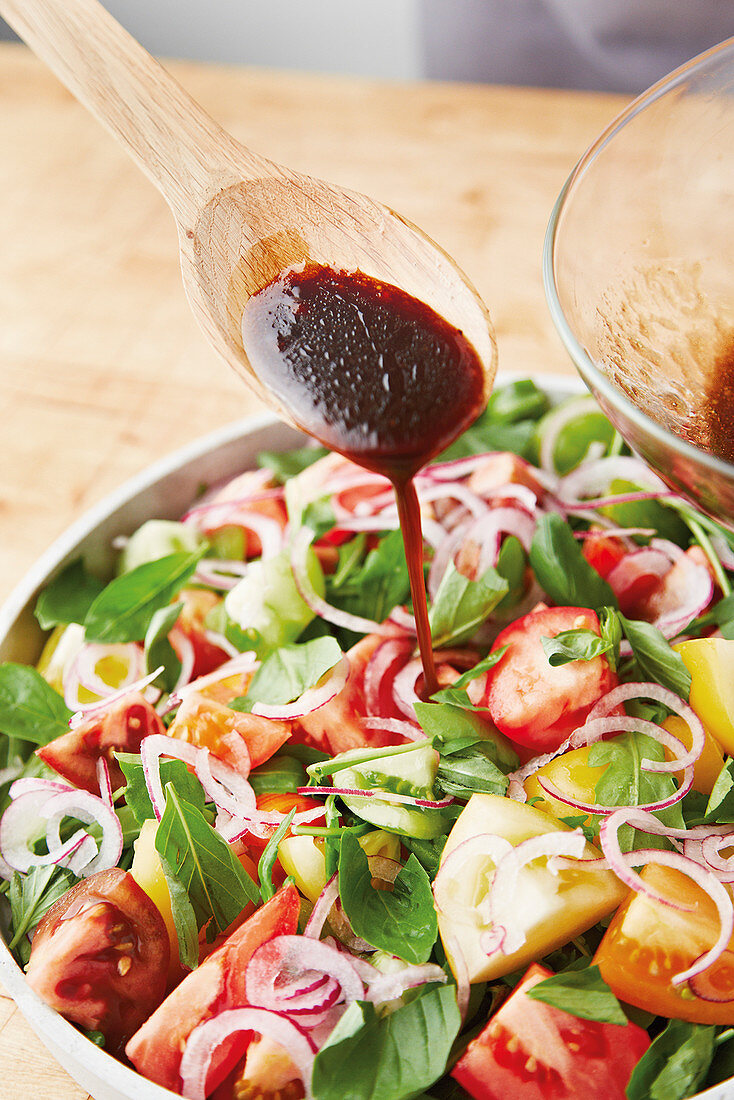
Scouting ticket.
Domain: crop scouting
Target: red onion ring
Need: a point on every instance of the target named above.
(226, 784)
(708, 882)
(312, 699)
(322, 908)
(206, 1037)
(623, 693)
(85, 709)
(89, 809)
(275, 973)
(407, 730)
(105, 784)
(381, 795)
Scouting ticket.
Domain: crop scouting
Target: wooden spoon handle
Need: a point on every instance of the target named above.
(184, 152)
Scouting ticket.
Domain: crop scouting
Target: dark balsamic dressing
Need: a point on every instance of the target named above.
(372, 373)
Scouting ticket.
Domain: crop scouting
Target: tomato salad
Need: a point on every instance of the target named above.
(244, 852)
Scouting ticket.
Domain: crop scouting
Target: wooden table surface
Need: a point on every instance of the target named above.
(103, 369)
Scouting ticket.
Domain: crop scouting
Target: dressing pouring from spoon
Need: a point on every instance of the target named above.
(346, 319)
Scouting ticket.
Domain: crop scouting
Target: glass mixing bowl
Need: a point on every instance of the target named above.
(639, 275)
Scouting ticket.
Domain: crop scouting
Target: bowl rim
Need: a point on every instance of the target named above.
(585, 365)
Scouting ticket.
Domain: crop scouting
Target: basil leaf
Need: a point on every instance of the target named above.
(655, 657)
(269, 856)
(480, 668)
(68, 597)
(158, 649)
(520, 400)
(675, 1064)
(574, 645)
(30, 709)
(582, 993)
(351, 554)
(461, 605)
(561, 568)
(392, 1057)
(402, 920)
(175, 772)
(580, 822)
(184, 917)
(624, 783)
(610, 629)
(453, 729)
(123, 610)
(279, 775)
(217, 884)
(487, 435)
(32, 895)
(720, 807)
(381, 582)
(427, 852)
(291, 670)
(472, 769)
(286, 464)
(511, 564)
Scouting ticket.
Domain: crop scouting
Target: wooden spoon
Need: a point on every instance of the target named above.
(241, 219)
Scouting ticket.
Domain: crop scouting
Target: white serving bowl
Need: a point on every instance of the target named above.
(164, 490)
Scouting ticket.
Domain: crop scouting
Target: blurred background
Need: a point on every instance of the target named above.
(609, 45)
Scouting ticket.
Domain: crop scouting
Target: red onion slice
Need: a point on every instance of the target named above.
(207, 1037)
(90, 809)
(381, 795)
(105, 784)
(483, 845)
(388, 987)
(386, 656)
(647, 690)
(408, 730)
(85, 709)
(22, 825)
(239, 664)
(322, 908)
(82, 672)
(592, 478)
(227, 788)
(312, 699)
(278, 966)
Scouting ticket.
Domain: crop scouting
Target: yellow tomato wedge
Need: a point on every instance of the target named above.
(710, 762)
(648, 943)
(549, 909)
(572, 775)
(147, 871)
(710, 662)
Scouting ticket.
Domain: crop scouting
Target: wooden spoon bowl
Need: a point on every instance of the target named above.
(242, 219)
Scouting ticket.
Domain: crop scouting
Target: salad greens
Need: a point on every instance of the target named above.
(398, 860)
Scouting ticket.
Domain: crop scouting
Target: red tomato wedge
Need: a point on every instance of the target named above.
(122, 726)
(219, 983)
(603, 552)
(100, 956)
(532, 1051)
(531, 702)
(226, 733)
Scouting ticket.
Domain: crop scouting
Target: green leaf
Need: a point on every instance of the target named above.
(582, 993)
(393, 1057)
(174, 772)
(402, 920)
(286, 464)
(516, 401)
(480, 668)
(68, 597)
(675, 1064)
(123, 610)
(574, 645)
(158, 649)
(279, 775)
(378, 585)
(269, 856)
(216, 882)
(184, 917)
(287, 673)
(427, 852)
(463, 773)
(720, 807)
(624, 783)
(655, 657)
(461, 605)
(561, 568)
(30, 709)
(32, 895)
(511, 564)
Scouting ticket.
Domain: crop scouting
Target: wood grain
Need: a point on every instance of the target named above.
(102, 367)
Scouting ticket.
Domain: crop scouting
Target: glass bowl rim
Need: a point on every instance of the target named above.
(583, 362)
